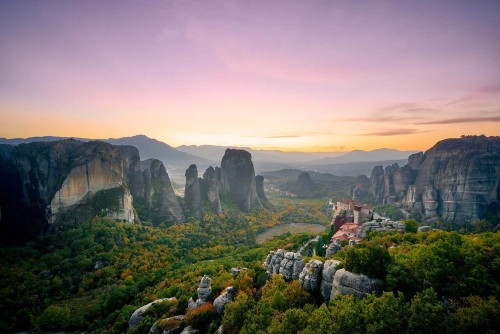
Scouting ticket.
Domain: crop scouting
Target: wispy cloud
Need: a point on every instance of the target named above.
(396, 132)
(462, 120)
(282, 136)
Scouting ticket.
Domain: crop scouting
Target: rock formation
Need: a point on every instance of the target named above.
(172, 325)
(204, 291)
(317, 276)
(327, 275)
(151, 178)
(383, 226)
(288, 264)
(333, 248)
(192, 194)
(457, 179)
(225, 298)
(259, 185)
(211, 188)
(47, 184)
(303, 186)
(291, 266)
(136, 317)
(238, 179)
(347, 283)
(310, 277)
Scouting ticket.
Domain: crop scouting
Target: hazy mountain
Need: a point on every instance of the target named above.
(381, 154)
(356, 168)
(152, 148)
(217, 152)
(148, 148)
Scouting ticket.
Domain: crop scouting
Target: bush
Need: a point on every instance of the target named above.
(54, 318)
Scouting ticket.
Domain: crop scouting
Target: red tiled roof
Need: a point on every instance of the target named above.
(350, 227)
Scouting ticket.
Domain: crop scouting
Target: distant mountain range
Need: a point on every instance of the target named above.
(352, 163)
(381, 154)
(148, 148)
(216, 152)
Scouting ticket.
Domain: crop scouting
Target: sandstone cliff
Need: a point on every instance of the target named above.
(44, 185)
(457, 179)
(192, 193)
(238, 179)
(66, 182)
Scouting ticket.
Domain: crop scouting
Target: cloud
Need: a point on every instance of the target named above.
(396, 132)
(282, 136)
(462, 120)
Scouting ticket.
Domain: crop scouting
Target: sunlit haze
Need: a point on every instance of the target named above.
(292, 75)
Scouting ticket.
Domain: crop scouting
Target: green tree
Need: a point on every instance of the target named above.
(55, 318)
(411, 225)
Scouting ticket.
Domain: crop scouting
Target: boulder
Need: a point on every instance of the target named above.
(172, 325)
(424, 228)
(225, 298)
(333, 248)
(189, 330)
(136, 317)
(357, 285)
(192, 193)
(310, 277)
(327, 275)
(204, 290)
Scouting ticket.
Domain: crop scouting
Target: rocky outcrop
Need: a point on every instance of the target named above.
(238, 179)
(424, 228)
(291, 266)
(172, 325)
(310, 277)
(211, 188)
(327, 275)
(136, 317)
(192, 194)
(378, 184)
(189, 330)
(317, 276)
(333, 248)
(457, 179)
(150, 185)
(347, 283)
(288, 264)
(303, 186)
(50, 184)
(259, 185)
(225, 298)
(204, 291)
(383, 226)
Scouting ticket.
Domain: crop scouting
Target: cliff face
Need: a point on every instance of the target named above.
(65, 182)
(259, 185)
(44, 185)
(192, 194)
(238, 179)
(151, 188)
(457, 179)
(165, 206)
(211, 189)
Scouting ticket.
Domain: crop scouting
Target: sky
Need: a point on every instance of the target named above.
(293, 75)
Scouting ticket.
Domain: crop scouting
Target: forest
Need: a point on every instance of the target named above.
(94, 276)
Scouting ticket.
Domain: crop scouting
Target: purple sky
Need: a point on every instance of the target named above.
(297, 75)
